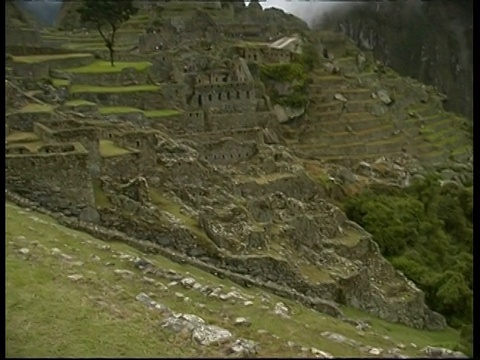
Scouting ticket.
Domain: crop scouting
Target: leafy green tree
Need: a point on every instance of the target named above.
(426, 231)
(107, 16)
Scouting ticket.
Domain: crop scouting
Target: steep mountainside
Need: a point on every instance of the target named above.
(431, 41)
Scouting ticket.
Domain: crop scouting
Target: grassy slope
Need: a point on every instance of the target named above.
(31, 59)
(104, 67)
(111, 89)
(50, 315)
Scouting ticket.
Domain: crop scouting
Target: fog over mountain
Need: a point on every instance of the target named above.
(44, 11)
(308, 11)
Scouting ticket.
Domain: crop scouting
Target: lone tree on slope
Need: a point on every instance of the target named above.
(107, 16)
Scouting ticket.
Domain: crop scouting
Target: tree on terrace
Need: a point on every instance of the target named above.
(107, 16)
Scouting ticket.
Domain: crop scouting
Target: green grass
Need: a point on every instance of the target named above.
(60, 82)
(19, 136)
(79, 102)
(109, 149)
(48, 315)
(36, 108)
(31, 59)
(77, 89)
(101, 199)
(161, 113)
(109, 110)
(104, 67)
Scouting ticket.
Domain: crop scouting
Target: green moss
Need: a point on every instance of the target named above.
(99, 67)
(31, 59)
(112, 89)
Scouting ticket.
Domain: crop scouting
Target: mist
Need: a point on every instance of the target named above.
(44, 11)
(309, 11)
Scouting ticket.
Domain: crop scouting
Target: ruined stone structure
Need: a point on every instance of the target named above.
(190, 160)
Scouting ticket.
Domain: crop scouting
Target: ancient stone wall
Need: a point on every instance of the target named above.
(16, 49)
(244, 270)
(39, 70)
(221, 122)
(128, 76)
(228, 97)
(87, 136)
(295, 186)
(24, 121)
(56, 174)
(265, 54)
(145, 142)
(21, 37)
(189, 122)
(248, 134)
(227, 151)
(121, 167)
(136, 99)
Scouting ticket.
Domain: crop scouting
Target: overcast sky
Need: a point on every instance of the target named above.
(307, 10)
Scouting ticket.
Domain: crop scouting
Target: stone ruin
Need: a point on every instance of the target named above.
(212, 181)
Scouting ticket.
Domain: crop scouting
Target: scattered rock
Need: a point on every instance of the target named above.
(281, 310)
(339, 338)
(24, 251)
(75, 277)
(438, 352)
(244, 347)
(172, 283)
(148, 280)
(248, 303)
(211, 334)
(242, 321)
(179, 295)
(383, 95)
(320, 354)
(188, 282)
(124, 273)
(340, 97)
(375, 351)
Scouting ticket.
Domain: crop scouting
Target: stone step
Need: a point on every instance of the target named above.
(349, 94)
(351, 161)
(327, 82)
(359, 124)
(345, 137)
(394, 144)
(330, 106)
(337, 115)
(349, 106)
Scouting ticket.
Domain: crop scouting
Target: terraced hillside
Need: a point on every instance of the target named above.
(178, 150)
(359, 114)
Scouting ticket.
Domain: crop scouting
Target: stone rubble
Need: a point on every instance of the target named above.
(438, 352)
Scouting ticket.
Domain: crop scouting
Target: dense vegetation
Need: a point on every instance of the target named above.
(294, 73)
(426, 231)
